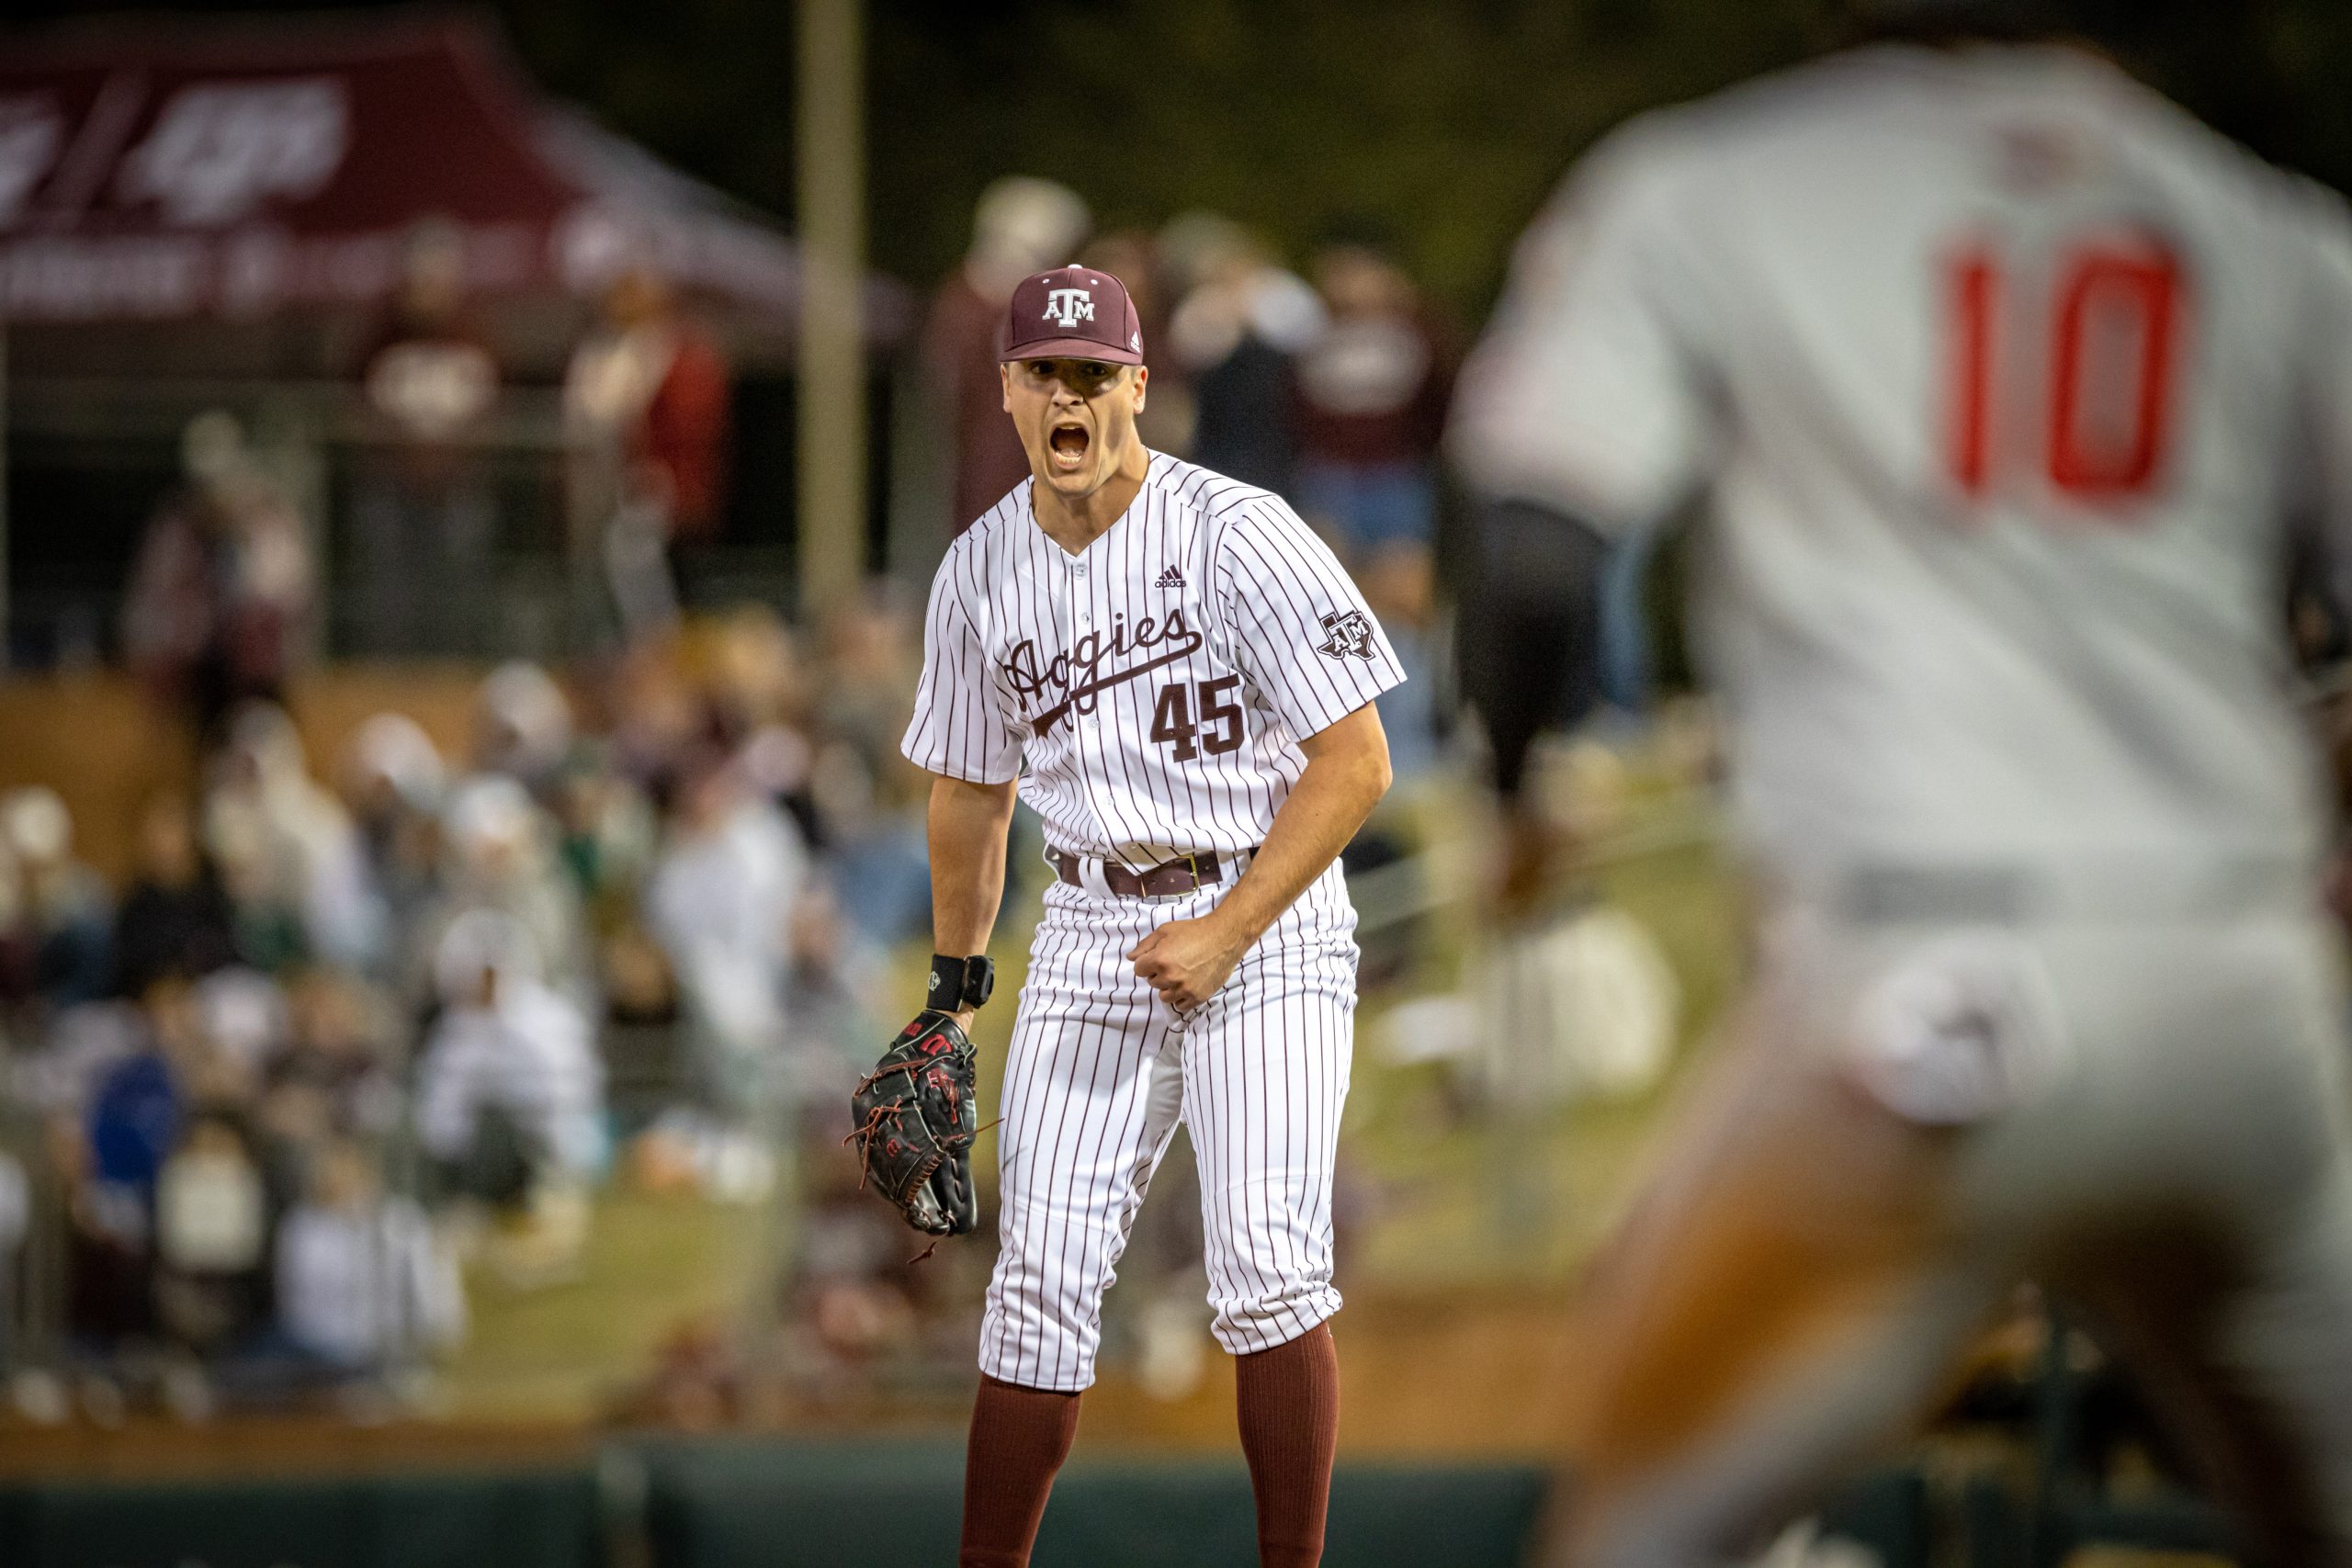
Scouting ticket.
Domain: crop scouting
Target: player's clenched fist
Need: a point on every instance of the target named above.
(1186, 960)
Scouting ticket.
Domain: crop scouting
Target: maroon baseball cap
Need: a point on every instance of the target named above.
(1072, 312)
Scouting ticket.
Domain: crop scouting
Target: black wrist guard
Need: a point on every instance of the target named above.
(957, 984)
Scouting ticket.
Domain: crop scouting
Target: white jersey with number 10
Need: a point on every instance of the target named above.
(2008, 381)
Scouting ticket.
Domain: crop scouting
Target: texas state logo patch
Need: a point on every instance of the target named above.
(1346, 633)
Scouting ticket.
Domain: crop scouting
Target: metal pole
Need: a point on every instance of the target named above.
(831, 352)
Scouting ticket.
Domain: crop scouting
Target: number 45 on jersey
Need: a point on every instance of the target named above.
(1217, 729)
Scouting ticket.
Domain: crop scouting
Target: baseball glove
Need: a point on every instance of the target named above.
(914, 1121)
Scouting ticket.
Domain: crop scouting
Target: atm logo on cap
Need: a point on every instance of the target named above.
(1068, 307)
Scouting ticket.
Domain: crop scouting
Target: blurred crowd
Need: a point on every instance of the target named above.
(1328, 385)
(227, 592)
(361, 1025)
(374, 1015)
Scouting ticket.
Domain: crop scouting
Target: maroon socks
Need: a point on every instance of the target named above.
(1290, 1425)
(1020, 1436)
(1289, 1399)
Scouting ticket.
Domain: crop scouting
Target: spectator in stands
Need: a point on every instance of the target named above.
(19, 957)
(593, 832)
(718, 903)
(607, 834)
(246, 1026)
(311, 861)
(57, 1069)
(658, 719)
(108, 1298)
(1241, 320)
(523, 727)
(873, 648)
(1132, 255)
(212, 1213)
(650, 1072)
(647, 406)
(267, 918)
(108, 1141)
(1021, 225)
(834, 987)
(510, 1092)
(762, 699)
(864, 798)
(60, 922)
(1399, 581)
(1372, 389)
(873, 832)
(499, 856)
(334, 1077)
(134, 1116)
(393, 784)
(219, 600)
(175, 917)
(16, 1214)
(363, 1286)
(424, 518)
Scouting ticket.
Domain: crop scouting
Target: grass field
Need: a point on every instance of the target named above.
(561, 1352)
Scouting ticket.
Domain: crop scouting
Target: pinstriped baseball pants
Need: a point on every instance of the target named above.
(1098, 1077)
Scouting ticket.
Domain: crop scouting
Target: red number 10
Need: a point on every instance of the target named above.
(2112, 326)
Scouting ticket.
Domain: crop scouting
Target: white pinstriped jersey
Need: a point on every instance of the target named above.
(1150, 691)
(2006, 378)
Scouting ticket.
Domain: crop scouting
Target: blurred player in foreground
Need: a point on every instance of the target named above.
(2010, 385)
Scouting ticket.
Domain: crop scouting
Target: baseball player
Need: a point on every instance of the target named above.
(1179, 678)
(2007, 379)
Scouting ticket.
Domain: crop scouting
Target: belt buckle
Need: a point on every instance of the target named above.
(1192, 864)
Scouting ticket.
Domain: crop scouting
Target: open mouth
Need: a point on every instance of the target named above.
(1069, 442)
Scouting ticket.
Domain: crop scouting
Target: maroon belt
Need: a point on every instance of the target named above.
(1185, 873)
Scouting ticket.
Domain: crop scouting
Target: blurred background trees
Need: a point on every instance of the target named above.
(1447, 119)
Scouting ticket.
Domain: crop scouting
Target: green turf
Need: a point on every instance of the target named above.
(562, 1352)
(1456, 1203)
